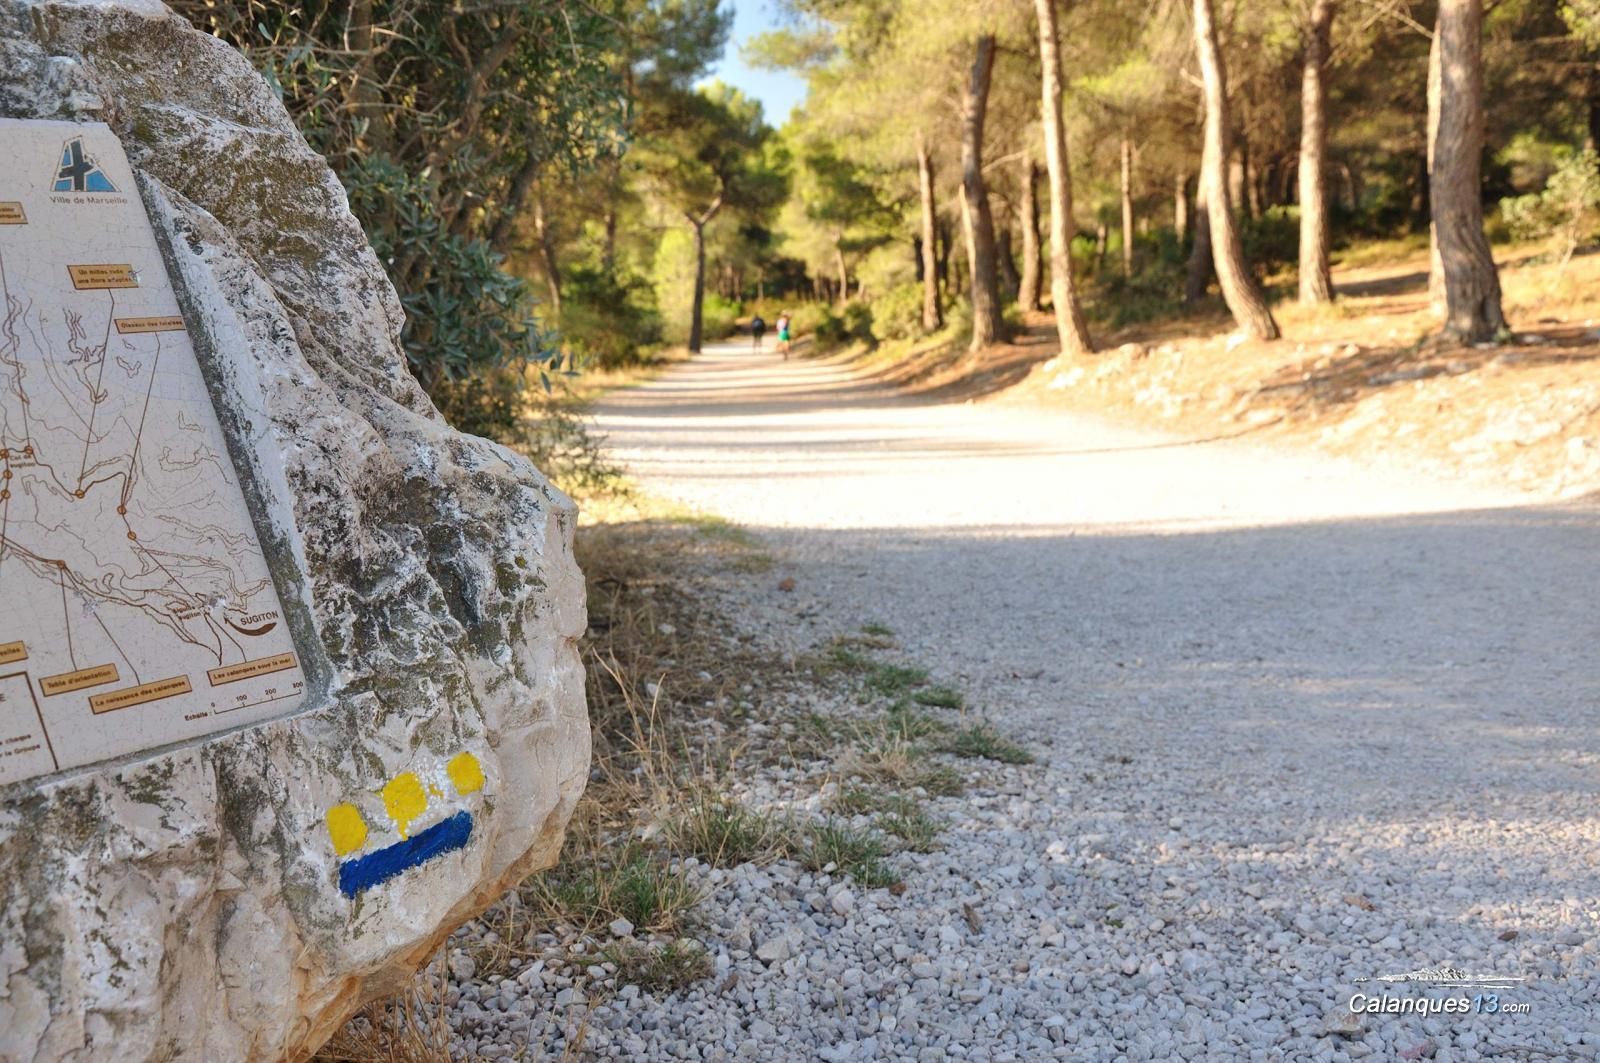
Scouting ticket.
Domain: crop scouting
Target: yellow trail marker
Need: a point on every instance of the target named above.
(404, 799)
(346, 828)
(466, 773)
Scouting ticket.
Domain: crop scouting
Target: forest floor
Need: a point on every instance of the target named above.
(1362, 378)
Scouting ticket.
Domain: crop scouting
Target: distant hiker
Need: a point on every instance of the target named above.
(758, 328)
(783, 334)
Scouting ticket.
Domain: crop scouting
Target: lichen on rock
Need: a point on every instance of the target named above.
(192, 904)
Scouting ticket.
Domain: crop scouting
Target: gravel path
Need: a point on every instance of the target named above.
(1301, 724)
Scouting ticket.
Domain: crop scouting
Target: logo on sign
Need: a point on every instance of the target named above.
(78, 171)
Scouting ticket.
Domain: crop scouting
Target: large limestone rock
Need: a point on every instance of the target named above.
(187, 905)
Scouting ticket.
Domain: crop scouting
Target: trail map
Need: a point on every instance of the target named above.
(136, 607)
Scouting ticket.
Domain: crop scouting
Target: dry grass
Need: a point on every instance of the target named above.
(662, 968)
(655, 658)
(724, 832)
(669, 692)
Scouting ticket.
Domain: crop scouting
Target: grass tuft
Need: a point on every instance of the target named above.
(892, 680)
(842, 656)
(939, 698)
(940, 780)
(726, 833)
(915, 829)
(858, 853)
(983, 741)
(661, 968)
(635, 885)
(904, 722)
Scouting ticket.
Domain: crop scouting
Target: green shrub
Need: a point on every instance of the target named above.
(1271, 239)
(858, 322)
(605, 321)
(1568, 208)
(805, 318)
(897, 314)
(830, 332)
(719, 317)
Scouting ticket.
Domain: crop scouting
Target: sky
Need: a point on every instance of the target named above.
(778, 91)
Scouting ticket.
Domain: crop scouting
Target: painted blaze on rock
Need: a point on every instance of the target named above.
(197, 889)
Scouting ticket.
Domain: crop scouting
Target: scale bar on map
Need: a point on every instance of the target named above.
(92, 676)
(130, 696)
(129, 326)
(232, 673)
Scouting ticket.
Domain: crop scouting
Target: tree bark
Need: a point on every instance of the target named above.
(1471, 283)
(1028, 222)
(695, 327)
(1435, 263)
(366, 97)
(1591, 138)
(1070, 325)
(1200, 270)
(516, 196)
(1316, 283)
(1127, 207)
(944, 257)
(987, 324)
(1239, 289)
(1006, 265)
(932, 315)
(1248, 173)
(844, 274)
(1180, 206)
(542, 230)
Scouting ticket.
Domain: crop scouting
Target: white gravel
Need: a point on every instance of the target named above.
(1301, 725)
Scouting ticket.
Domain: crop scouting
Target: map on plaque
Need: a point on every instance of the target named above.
(136, 607)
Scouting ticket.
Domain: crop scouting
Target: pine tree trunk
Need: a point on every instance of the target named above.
(547, 253)
(1591, 138)
(1200, 270)
(844, 275)
(1247, 174)
(1180, 206)
(1244, 298)
(932, 316)
(1070, 326)
(1028, 222)
(944, 257)
(1006, 265)
(987, 324)
(1127, 207)
(699, 285)
(1435, 263)
(1316, 283)
(1471, 283)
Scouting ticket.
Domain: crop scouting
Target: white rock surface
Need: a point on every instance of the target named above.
(186, 905)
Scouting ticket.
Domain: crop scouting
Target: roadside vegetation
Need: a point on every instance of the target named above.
(684, 713)
(563, 199)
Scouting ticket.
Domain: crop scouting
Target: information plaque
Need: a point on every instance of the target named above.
(136, 606)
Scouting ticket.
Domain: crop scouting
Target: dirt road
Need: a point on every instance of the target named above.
(1316, 723)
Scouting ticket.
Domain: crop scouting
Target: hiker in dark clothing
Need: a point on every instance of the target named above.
(758, 329)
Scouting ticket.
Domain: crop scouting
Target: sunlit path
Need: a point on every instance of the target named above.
(809, 445)
(1272, 678)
